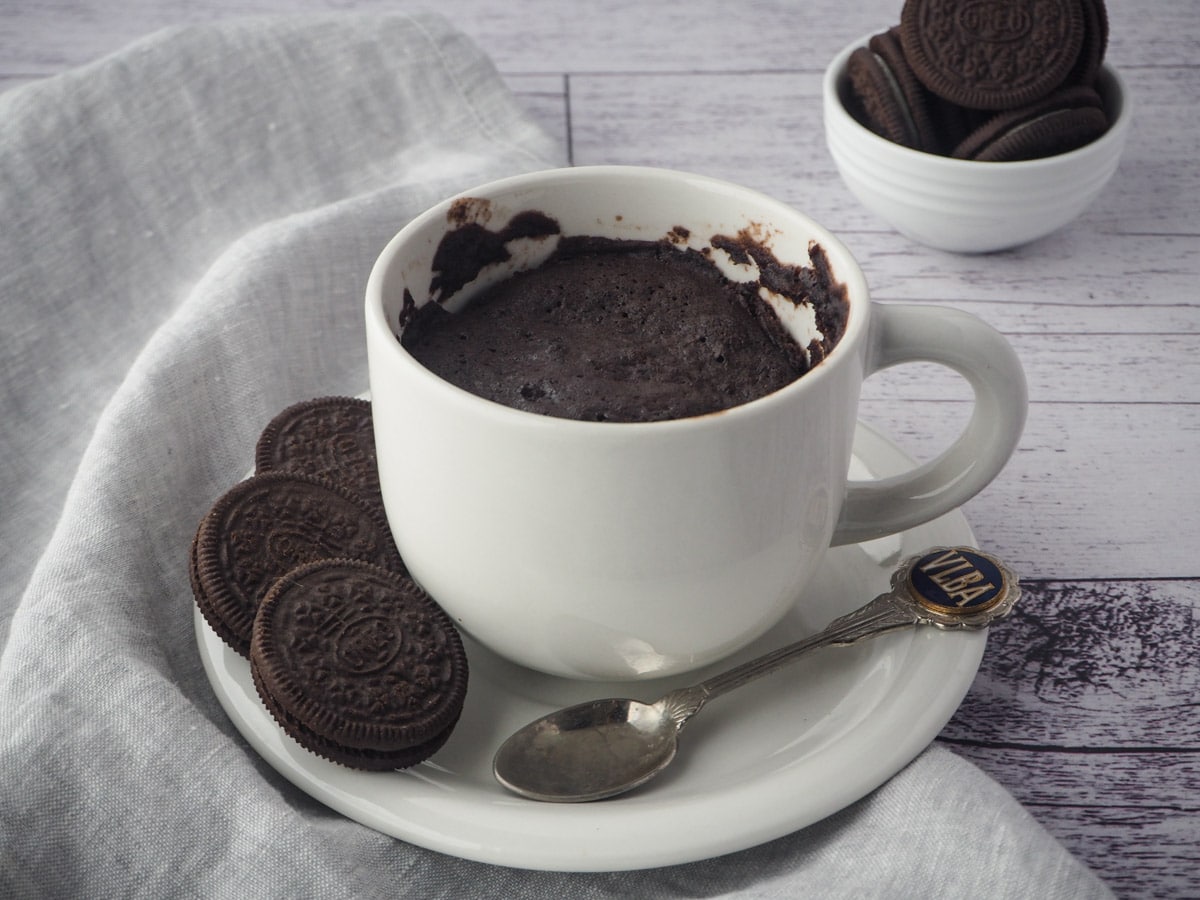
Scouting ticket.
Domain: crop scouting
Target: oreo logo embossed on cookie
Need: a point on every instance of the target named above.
(331, 437)
(358, 665)
(992, 54)
(267, 525)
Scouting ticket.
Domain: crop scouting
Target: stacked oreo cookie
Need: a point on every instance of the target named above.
(295, 568)
(988, 80)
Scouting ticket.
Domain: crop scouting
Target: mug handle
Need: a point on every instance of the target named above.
(907, 333)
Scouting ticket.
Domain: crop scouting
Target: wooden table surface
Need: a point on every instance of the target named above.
(1087, 706)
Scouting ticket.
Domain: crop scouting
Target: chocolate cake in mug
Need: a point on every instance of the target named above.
(629, 331)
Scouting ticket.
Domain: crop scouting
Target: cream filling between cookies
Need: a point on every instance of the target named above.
(910, 124)
(1026, 125)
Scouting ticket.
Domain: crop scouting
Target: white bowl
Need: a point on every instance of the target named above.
(962, 205)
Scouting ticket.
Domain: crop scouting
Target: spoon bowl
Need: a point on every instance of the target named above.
(555, 758)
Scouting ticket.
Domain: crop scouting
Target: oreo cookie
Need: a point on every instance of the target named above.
(891, 101)
(888, 98)
(1065, 121)
(267, 525)
(330, 437)
(988, 80)
(992, 54)
(1095, 44)
(358, 665)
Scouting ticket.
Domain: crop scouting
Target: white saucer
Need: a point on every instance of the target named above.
(755, 765)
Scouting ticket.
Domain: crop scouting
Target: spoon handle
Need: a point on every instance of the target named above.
(948, 587)
(880, 615)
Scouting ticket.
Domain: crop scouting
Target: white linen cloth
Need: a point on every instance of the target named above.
(186, 228)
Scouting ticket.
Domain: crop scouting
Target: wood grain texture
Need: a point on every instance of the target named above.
(1094, 490)
(1086, 704)
(1075, 652)
(44, 36)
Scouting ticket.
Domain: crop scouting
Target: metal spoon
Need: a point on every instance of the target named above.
(602, 748)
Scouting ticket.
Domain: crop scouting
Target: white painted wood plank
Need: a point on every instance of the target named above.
(1072, 280)
(537, 36)
(1093, 666)
(40, 36)
(1061, 368)
(1085, 706)
(1093, 491)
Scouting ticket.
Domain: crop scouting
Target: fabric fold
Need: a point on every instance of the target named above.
(122, 182)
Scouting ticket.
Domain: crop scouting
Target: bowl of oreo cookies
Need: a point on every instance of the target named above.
(978, 125)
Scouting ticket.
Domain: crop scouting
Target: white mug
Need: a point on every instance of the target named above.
(612, 551)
